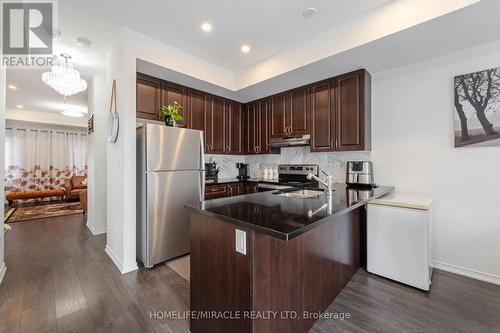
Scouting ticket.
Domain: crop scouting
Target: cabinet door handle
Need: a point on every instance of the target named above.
(332, 143)
(336, 143)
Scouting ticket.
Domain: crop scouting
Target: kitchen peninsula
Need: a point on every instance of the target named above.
(273, 253)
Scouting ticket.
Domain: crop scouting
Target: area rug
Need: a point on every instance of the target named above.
(45, 211)
(7, 213)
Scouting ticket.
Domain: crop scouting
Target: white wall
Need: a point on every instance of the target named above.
(413, 149)
(120, 163)
(2, 171)
(121, 156)
(96, 195)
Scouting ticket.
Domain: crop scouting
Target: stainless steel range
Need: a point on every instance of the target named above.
(291, 175)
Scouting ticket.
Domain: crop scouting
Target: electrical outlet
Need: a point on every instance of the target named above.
(241, 241)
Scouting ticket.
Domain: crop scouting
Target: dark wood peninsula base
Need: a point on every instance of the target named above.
(278, 279)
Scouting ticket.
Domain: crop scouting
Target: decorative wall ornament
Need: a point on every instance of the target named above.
(477, 108)
(113, 119)
(90, 125)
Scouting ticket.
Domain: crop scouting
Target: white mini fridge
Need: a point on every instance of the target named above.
(399, 239)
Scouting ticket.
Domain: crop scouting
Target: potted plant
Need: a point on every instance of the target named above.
(171, 113)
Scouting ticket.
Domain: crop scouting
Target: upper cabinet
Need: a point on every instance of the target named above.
(297, 118)
(196, 109)
(234, 128)
(322, 116)
(257, 127)
(215, 125)
(335, 112)
(352, 109)
(171, 93)
(278, 105)
(289, 113)
(340, 113)
(148, 97)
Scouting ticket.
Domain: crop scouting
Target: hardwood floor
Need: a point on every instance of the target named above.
(60, 280)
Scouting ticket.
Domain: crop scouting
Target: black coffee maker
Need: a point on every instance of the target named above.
(242, 171)
(211, 173)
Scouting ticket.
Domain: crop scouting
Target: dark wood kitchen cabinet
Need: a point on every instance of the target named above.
(148, 97)
(234, 128)
(251, 187)
(289, 113)
(257, 127)
(217, 191)
(297, 118)
(171, 93)
(236, 189)
(196, 109)
(322, 117)
(340, 113)
(215, 125)
(278, 106)
(352, 109)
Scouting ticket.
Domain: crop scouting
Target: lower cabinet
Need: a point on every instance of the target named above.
(251, 187)
(216, 191)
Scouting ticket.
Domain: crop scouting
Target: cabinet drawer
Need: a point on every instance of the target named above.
(215, 192)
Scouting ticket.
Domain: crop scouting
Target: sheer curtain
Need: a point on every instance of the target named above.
(37, 159)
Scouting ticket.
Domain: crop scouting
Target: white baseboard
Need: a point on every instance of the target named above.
(113, 257)
(118, 263)
(486, 277)
(3, 269)
(94, 231)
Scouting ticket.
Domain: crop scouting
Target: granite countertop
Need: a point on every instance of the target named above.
(286, 217)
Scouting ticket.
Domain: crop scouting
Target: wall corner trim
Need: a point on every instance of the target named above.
(113, 257)
(95, 231)
(473, 274)
(3, 269)
(118, 263)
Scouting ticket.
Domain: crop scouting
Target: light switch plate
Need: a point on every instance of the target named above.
(241, 241)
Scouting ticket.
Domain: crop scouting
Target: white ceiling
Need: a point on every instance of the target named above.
(276, 31)
(35, 95)
(268, 26)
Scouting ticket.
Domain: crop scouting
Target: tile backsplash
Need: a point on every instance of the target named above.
(333, 163)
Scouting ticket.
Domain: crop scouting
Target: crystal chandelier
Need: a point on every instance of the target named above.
(64, 78)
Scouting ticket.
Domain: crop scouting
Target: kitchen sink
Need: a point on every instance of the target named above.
(302, 194)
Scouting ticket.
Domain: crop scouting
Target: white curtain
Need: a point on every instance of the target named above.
(43, 158)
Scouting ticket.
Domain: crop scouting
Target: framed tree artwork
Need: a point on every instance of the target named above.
(477, 108)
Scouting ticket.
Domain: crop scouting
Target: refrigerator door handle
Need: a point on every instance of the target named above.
(202, 186)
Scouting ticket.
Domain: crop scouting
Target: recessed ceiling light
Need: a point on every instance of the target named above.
(19, 106)
(11, 86)
(207, 27)
(245, 49)
(309, 12)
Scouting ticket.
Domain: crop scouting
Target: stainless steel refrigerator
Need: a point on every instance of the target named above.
(170, 174)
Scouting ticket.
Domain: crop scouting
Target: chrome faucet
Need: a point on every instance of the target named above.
(328, 184)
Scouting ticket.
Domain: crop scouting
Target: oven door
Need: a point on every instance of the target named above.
(264, 187)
